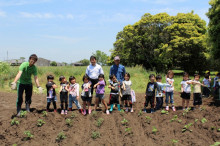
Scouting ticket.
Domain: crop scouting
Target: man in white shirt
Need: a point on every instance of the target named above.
(93, 71)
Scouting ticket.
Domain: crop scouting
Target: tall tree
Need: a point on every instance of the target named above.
(214, 27)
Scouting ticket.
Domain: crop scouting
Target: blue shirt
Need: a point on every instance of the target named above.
(118, 71)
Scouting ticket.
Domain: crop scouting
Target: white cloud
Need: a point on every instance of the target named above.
(64, 38)
(21, 2)
(2, 14)
(120, 17)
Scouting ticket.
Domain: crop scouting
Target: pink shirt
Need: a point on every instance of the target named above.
(74, 89)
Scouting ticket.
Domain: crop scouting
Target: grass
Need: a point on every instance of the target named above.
(95, 134)
(28, 135)
(40, 123)
(139, 76)
(60, 136)
(99, 122)
(14, 122)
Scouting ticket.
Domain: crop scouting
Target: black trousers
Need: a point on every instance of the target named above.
(94, 81)
(151, 100)
(28, 94)
(206, 91)
(114, 99)
(159, 104)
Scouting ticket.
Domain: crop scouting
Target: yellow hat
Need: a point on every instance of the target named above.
(207, 71)
(216, 73)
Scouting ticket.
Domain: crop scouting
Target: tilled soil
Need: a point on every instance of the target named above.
(112, 132)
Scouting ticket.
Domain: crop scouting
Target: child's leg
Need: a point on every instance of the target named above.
(66, 101)
(106, 107)
(84, 105)
(187, 103)
(48, 106)
(54, 105)
(171, 98)
(147, 101)
(77, 103)
(111, 102)
(89, 106)
(183, 103)
(152, 102)
(117, 101)
(96, 103)
(70, 102)
(158, 103)
(167, 98)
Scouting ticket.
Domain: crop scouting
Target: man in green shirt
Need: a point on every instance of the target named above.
(24, 82)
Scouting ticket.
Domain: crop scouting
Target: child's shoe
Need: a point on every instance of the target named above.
(126, 110)
(28, 107)
(173, 108)
(119, 107)
(107, 112)
(90, 111)
(62, 112)
(69, 109)
(81, 111)
(132, 110)
(145, 110)
(84, 112)
(65, 112)
(111, 109)
(55, 110)
(167, 108)
(152, 110)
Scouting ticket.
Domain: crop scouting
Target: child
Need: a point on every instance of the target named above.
(114, 94)
(159, 93)
(197, 95)
(126, 86)
(206, 81)
(63, 94)
(150, 93)
(86, 94)
(73, 89)
(216, 85)
(169, 90)
(100, 92)
(215, 79)
(185, 90)
(51, 93)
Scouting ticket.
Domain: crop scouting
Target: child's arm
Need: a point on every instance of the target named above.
(77, 92)
(54, 86)
(123, 86)
(96, 85)
(182, 88)
(89, 86)
(67, 88)
(60, 89)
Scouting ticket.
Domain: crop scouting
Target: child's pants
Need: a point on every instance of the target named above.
(73, 99)
(151, 100)
(206, 91)
(169, 94)
(114, 99)
(159, 104)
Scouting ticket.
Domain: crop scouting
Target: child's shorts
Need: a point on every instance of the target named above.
(100, 96)
(114, 99)
(197, 99)
(185, 95)
(63, 96)
(86, 98)
(126, 97)
(52, 99)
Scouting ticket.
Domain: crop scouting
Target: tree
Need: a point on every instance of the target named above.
(53, 63)
(214, 29)
(101, 57)
(163, 42)
(85, 62)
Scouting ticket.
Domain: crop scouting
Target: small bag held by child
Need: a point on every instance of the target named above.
(133, 98)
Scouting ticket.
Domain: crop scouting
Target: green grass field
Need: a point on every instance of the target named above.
(139, 76)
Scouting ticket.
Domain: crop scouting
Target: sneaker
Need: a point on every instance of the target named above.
(107, 112)
(173, 108)
(28, 107)
(65, 112)
(145, 110)
(167, 108)
(62, 112)
(69, 109)
(151, 110)
(19, 114)
(126, 110)
(90, 111)
(132, 110)
(84, 112)
(55, 110)
(100, 105)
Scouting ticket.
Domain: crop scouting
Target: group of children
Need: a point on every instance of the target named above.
(123, 91)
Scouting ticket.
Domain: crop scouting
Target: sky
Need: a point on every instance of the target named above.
(71, 30)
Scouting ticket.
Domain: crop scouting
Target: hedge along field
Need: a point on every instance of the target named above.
(139, 76)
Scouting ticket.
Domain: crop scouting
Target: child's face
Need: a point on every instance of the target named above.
(63, 80)
(50, 80)
(170, 76)
(196, 78)
(101, 79)
(152, 79)
(114, 79)
(86, 80)
(159, 80)
(127, 78)
(73, 81)
(185, 78)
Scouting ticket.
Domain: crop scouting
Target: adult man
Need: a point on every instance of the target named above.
(118, 70)
(24, 82)
(93, 71)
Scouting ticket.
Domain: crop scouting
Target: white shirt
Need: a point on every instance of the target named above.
(206, 82)
(170, 89)
(94, 71)
(186, 87)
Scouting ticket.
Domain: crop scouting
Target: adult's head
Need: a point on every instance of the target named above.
(117, 60)
(93, 60)
(33, 59)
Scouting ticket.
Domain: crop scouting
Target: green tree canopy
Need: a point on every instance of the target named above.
(85, 62)
(53, 63)
(101, 57)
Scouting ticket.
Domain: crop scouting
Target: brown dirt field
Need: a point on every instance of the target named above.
(112, 131)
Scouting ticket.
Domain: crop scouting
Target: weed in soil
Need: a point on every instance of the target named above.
(23, 114)
(154, 130)
(60, 137)
(94, 114)
(128, 131)
(124, 122)
(186, 127)
(44, 114)
(99, 122)
(174, 118)
(203, 120)
(148, 119)
(28, 135)
(40, 122)
(69, 122)
(14, 122)
(95, 134)
(122, 112)
(164, 112)
(140, 113)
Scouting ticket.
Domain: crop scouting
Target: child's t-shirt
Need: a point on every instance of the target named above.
(127, 90)
(151, 87)
(206, 82)
(116, 86)
(160, 88)
(86, 91)
(170, 89)
(50, 90)
(74, 89)
(197, 87)
(101, 87)
(63, 85)
(186, 87)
